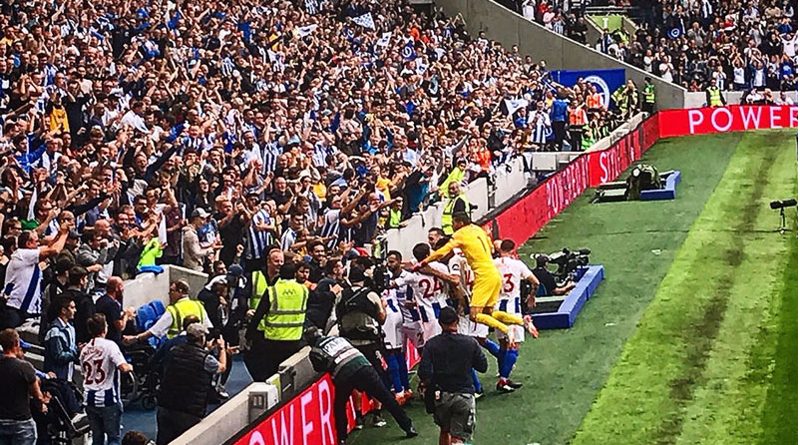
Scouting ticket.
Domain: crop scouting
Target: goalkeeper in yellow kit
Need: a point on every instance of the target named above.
(477, 248)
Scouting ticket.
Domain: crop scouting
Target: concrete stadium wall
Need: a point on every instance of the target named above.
(510, 28)
(148, 287)
(231, 417)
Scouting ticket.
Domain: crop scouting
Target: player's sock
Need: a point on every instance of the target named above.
(492, 347)
(507, 318)
(508, 363)
(492, 322)
(476, 382)
(403, 367)
(394, 372)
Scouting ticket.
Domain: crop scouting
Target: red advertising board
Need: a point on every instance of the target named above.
(648, 132)
(605, 166)
(525, 217)
(725, 119)
(307, 419)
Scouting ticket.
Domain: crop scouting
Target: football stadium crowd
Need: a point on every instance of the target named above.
(210, 134)
(733, 45)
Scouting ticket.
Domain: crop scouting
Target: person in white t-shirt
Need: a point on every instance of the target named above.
(23, 288)
(513, 272)
(101, 362)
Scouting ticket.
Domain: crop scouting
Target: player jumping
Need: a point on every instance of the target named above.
(477, 249)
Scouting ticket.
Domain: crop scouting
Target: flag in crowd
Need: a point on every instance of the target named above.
(365, 20)
(305, 30)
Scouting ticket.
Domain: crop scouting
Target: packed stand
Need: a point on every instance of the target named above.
(726, 45)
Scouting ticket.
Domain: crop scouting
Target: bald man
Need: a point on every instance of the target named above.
(110, 305)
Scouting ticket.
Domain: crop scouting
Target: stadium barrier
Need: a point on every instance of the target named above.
(304, 412)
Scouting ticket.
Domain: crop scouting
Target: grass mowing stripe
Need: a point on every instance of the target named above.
(644, 399)
(782, 391)
(727, 404)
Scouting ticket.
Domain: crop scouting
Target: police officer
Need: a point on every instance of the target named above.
(283, 312)
(649, 96)
(171, 323)
(714, 96)
(456, 202)
(446, 378)
(351, 370)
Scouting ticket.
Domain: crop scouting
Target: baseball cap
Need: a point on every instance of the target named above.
(447, 316)
(196, 330)
(199, 213)
(235, 271)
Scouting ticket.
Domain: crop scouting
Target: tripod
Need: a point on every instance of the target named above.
(782, 229)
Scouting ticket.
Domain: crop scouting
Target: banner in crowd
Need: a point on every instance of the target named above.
(725, 119)
(606, 81)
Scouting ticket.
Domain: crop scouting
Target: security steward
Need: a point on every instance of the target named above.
(456, 202)
(446, 379)
(714, 96)
(649, 96)
(351, 370)
(186, 384)
(283, 310)
(171, 322)
(257, 285)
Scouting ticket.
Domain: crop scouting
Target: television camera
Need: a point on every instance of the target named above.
(567, 263)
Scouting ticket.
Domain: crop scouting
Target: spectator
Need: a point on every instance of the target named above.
(20, 385)
(101, 362)
(84, 304)
(60, 347)
(110, 305)
(184, 390)
(23, 277)
(194, 255)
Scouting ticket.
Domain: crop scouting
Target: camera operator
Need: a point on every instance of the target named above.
(547, 280)
(360, 314)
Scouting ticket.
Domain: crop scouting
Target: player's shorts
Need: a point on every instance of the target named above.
(412, 330)
(486, 291)
(392, 336)
(430, 330)
(518, 332)
(471, 328)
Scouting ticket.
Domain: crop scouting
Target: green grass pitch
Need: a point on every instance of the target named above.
(692, 337)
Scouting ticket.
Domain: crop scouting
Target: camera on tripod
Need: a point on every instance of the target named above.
(567, 263)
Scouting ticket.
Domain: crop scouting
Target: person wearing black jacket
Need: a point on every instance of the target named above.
(351, 370)
(184, 391)
(446, 379)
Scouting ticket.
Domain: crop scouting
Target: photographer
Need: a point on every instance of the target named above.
(547, 280)
(360, 314)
